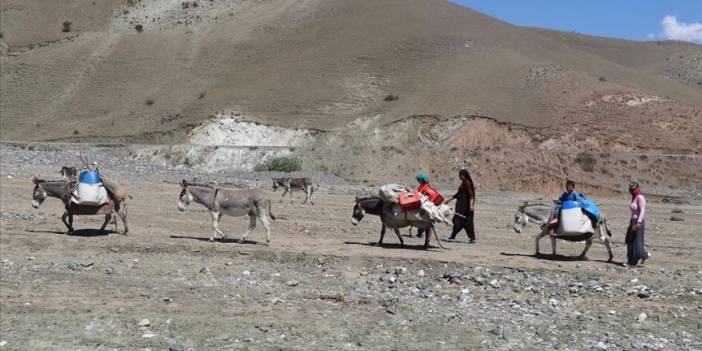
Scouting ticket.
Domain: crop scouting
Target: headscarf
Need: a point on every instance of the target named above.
(635, 190)
(422, 177)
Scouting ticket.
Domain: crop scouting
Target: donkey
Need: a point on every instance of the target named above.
(62, 190)
(235, 203)
(290, 184)
(539, 213)
(376, 206)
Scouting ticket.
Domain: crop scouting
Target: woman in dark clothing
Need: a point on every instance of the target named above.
(635, 249)
(465, 208)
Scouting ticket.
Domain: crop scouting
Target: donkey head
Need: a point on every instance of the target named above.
(358, 213)
(38, 194)
(185, 196)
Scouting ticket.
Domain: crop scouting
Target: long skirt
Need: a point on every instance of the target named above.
(635, 249)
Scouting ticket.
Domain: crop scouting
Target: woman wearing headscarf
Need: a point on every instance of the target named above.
(635, 249)
(465, 208)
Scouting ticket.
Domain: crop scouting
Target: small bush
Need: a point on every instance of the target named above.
(391, 97)
(66, 26)
(280, 164)
(139, 28)
(202, 95)
(586, 161)
(76, 132)
(602, 79)
(150, 102)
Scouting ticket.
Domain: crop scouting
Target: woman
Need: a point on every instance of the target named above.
(635, 249)
(465, 208)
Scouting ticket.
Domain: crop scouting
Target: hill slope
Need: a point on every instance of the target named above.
(312, 63)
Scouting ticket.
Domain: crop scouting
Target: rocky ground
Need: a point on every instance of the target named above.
(324, 284)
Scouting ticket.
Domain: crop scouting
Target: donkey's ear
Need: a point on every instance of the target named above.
(35, 180)
(184, 183)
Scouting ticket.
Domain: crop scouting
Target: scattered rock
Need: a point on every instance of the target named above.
(292, 283)
(676, 219)
(642, 317)
(420, 273)
(72, 266)
(144, 323)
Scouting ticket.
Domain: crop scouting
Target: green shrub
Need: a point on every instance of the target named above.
(280, 164)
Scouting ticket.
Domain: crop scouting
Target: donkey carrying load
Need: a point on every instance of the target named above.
(63, 190)
(290, 184)
(539, 213)
(252, 202)
(392, 218)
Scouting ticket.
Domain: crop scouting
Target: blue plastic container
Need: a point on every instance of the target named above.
(89, 177)
(566, 205)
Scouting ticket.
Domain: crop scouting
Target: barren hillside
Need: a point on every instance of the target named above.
(158, 71)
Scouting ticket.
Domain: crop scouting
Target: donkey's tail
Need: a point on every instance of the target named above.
(269, 210)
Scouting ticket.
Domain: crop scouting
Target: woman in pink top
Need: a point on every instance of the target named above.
(635, 249)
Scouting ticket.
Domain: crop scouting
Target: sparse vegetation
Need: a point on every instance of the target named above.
(66, 26)
(76, 132)
(602, 79)
(280, 164)
(202, 95)
(391, 97)
(586, 161)
(150, 102)
(139, 28)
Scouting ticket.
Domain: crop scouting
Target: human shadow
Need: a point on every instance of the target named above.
(217, 240)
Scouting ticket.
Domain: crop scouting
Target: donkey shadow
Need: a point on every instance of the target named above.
(77, 232)
(419, 247)
(557, 258)
(217, 240)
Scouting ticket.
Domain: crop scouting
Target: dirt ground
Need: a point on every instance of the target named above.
(324, 284)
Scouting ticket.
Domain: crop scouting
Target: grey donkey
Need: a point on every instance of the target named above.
(290, 184)
(252, 202)
(539, 213)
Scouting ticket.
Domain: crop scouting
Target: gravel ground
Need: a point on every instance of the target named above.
(323, 284)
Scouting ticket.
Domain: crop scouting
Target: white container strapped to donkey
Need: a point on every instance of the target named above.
(90, 190)
(573, 221)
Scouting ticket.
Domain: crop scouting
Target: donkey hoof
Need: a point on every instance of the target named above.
(212, 239)
(583, 258)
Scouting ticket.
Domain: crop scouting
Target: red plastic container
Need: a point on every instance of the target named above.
(409, 200)
(433, 195)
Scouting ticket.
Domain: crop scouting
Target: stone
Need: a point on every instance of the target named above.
(144, 323)
(292, 283)
(642, 317)
(601, 345)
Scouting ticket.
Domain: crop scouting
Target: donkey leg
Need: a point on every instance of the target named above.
(553, 245)
(428, 236)
(215, 226)
(266, 224)
(588, 243)
(108, 217)
(123, 214)
(65, 222)
(397, 232)
(382, 234)
(252, 226)
(608, 244)
(538, 238)
(70, 223)
(307, 195)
